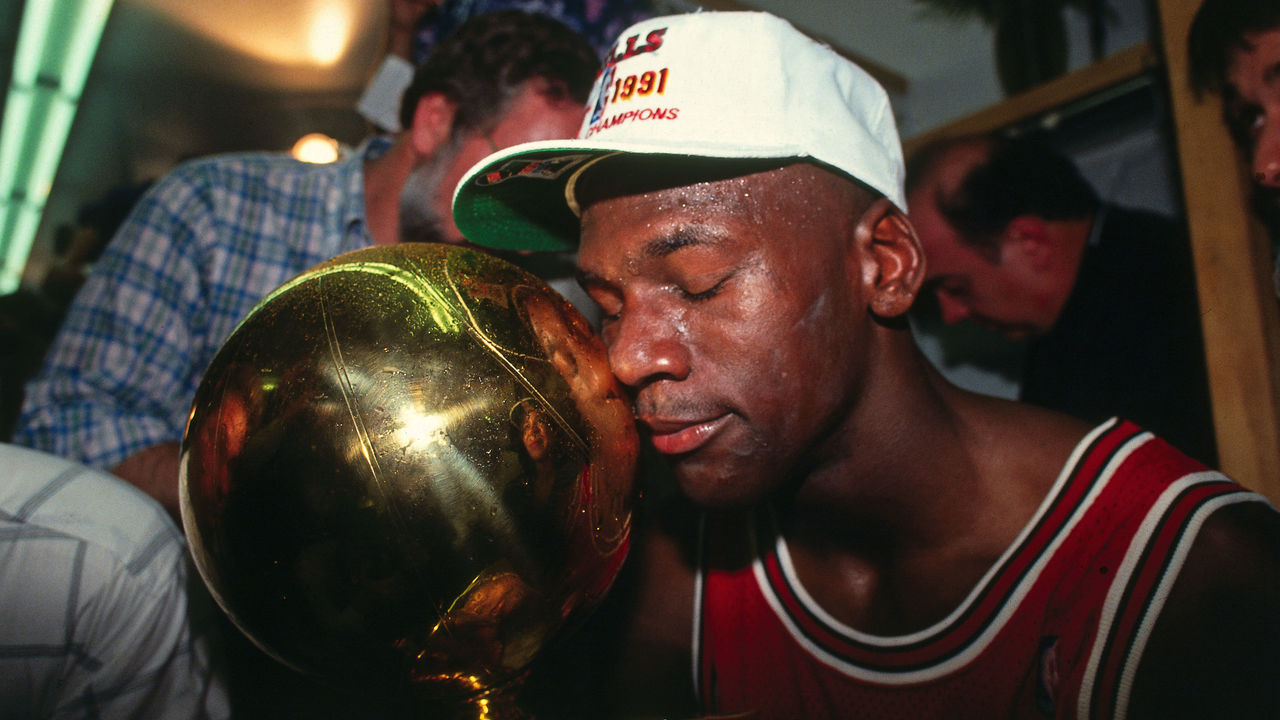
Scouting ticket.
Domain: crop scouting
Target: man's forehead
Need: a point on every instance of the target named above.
(1260, 50)
(657, 223)
(780, 208)
(661, 225)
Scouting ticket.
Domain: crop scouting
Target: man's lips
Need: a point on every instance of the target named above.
(674, 437)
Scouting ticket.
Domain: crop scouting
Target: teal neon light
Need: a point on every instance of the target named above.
(56, 47)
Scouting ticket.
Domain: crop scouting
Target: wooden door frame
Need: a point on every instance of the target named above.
(1240, 316)
(1239, 312)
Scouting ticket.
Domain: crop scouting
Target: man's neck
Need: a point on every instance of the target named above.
(870, 474)
(892, 536)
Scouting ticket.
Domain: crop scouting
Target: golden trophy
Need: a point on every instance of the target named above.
(408, 469)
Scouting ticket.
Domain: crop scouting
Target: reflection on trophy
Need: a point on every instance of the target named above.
(409, 469)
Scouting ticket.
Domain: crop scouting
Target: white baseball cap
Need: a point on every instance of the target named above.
(710, 84)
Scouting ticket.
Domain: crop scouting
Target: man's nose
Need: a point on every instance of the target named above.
(645, 346)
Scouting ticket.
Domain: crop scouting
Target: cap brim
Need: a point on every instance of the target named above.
(515, 198)
(518, 198)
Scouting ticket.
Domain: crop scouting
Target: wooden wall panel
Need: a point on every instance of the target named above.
(1233, 271)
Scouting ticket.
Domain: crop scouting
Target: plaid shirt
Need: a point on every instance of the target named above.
(197, 253)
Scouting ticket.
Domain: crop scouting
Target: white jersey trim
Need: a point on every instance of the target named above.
(973, 649)
(1128, 566)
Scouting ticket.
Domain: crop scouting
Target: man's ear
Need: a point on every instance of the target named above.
(1028, 237)
(893, 260)
(432, 123)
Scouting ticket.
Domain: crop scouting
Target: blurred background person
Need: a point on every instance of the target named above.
(418, 26)
(216, 235)
(1233, 50)
(1016, 240)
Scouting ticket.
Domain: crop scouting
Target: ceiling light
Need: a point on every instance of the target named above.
(329, 33)
(316, 148)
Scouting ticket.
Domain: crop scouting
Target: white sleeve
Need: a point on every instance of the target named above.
(99, 616)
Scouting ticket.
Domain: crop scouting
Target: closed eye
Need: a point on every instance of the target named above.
(705, 294)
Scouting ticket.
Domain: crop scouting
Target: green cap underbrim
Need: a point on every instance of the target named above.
(522, 198)
(518, 202)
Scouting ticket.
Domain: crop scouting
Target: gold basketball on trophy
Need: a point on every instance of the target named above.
(408, 469)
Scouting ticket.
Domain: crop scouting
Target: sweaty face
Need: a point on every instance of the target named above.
(729, 314)
(1253, 103)
(425, 202)
(1003, 294)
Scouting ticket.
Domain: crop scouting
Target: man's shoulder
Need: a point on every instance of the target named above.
(248, 189)
(1041, 447)
(1248, 532)
(1213, 650)
(1144, 480)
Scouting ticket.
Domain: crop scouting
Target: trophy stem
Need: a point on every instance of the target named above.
(498, 704)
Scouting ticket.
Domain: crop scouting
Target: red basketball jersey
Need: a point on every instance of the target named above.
(1054, 629)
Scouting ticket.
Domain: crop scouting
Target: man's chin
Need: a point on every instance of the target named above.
(712, 488)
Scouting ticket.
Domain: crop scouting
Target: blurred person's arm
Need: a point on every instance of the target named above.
(405, 16)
